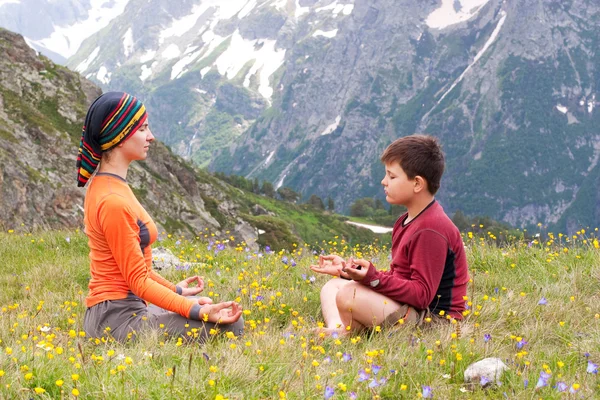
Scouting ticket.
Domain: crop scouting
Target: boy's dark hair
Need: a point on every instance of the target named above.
(418, 155)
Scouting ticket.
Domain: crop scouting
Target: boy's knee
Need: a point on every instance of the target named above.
(330, 285)
(344, 297)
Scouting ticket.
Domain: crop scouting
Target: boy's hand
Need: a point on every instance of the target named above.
(191, 291)
(329, 265)
(350, 268)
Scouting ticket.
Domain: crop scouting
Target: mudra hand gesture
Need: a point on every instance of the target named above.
(329, 265)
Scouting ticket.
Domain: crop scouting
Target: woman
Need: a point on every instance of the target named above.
(121, 232)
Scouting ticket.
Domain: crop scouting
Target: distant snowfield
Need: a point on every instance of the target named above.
(65, 40)
(446, 15)
(374, 228)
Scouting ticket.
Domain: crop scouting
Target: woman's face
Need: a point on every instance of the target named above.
(136, 147)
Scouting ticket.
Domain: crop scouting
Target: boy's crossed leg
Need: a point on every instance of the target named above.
(347, 303)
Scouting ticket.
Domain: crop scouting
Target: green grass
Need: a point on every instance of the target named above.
(44, 283)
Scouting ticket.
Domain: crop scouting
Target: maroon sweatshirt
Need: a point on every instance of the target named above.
(429, 266)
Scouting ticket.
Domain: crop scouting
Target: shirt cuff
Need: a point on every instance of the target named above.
(195, 312)
(371, 279)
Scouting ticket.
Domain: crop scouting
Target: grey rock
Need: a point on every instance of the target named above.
(491, 369)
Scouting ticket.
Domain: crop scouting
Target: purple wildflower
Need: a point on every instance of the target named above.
(543, 380)
(284, 260)
(374, 383)
(353, 395)
(220, 247)
(259, 298)
(303, 277)
(483, 380)
(525, 383)
(573, 390)
(427, 392)
(268, 249)
(376, 369)
(487, 337)
(561, 386)
(335, 335)
(542, 302)
(521, 343)
(592, 368)
(68, 239)
(329, 392)
(177, 243)
(362, 375)
(293, 263)
(346, 357)
(327, 360)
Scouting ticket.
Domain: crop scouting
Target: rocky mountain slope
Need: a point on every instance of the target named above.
(307, 93)
(42, 108)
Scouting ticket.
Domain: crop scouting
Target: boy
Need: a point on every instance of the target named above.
(429, 267)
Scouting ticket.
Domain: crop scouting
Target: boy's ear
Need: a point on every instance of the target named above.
(420, 184)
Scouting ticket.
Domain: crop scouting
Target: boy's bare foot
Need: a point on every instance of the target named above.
(330, 332)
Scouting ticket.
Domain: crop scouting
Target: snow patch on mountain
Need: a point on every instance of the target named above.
(247, 8)
(179, 67)
(328, 34)
(267, 59)
(172, 51)
(103, 75)
(89, 60)
(65, 40)
(332, 127)
(300, 11)
(337, 8)
(147, 56)
(146, 72)
(447, 14)
(128, 42)
(478, 56)
(180, 26)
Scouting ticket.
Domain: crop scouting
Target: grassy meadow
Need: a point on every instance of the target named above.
(534, 304)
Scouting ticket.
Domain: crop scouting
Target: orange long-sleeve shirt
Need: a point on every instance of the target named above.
(120, 233)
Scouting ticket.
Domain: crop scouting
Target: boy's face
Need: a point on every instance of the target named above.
(399, 189)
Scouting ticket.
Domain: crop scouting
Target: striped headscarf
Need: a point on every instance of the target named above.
(111, 119)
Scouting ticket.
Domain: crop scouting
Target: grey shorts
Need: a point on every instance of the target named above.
(123, 319)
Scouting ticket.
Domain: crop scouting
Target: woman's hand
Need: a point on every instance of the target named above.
(191, 291)
(329, 265)
(222, 313)
(350, 268)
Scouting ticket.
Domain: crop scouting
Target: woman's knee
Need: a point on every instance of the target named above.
(237, 328)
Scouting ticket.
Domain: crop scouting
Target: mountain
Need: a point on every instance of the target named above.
(307, 93)
(42, 108)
